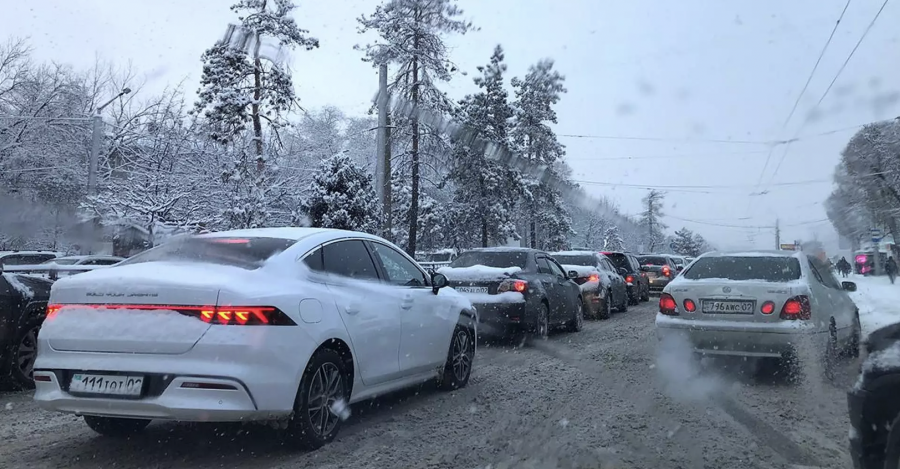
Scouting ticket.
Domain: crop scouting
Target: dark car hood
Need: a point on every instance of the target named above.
(883, 338)
(31, 288)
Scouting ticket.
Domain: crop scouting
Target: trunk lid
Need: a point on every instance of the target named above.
(153, 324)
(478, 279)
(733, 300)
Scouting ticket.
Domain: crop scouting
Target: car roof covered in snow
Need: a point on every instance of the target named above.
(295, 233)
(575, 253)
(505, 249)
(760, 253)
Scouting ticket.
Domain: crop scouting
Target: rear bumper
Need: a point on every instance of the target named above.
(498, 319)
(264, 378)
(657, 284)
(747, 340)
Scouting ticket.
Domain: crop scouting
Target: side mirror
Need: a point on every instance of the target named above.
(848, 286)
(573, 274)
(622, 271)
(438, 281)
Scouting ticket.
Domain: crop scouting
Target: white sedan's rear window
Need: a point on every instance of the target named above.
(771, 269)
(246, 253)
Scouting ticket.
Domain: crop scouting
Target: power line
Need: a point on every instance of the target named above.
(669, 139)
(672, 156)
(830, 85)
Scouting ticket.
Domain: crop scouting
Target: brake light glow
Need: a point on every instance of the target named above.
(512, 285)
(690, 306)
(667, 305)
(767, 308)
(796, 308)
(666, 271)
(225, 315)
(629, 279)
(594, 278)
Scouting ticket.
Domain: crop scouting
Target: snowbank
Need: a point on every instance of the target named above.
(478, 272)
(878, 302)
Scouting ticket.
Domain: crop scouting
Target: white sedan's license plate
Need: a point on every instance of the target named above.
(728, 307)
(472, 289)
(114, 385)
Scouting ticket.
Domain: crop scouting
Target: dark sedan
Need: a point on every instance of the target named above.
(517, 291)
(660, 269)
(23, 305)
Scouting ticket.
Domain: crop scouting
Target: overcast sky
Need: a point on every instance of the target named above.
(674, 75)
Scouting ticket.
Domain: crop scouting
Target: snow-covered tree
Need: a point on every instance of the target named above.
(430, 218)
(238, 88)
(651, 221)
(612, 239)
(685, 243)
(701, 244)
(412, 38)
(532, 136)
(489, 191)
(342, 197)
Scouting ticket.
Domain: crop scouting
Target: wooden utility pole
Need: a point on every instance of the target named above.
(383, 148)
(777, 234)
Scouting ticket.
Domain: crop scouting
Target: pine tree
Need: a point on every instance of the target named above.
(412, 37)
(239, 88)
(487, 190)
(685, 243)
(429, 221)
(342, 197)
(654, 229)
(532, 136)
(612, 239)
(700, 246)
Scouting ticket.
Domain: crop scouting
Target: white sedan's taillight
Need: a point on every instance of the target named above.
(224, 315)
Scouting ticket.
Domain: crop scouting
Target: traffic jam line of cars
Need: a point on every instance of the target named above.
(297, 323)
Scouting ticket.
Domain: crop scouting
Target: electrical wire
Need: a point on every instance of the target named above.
(668, 139)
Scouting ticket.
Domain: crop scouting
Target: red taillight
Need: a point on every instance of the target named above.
(629, 279)
(594, 278)
(219, 386)
(690, 306)
(226, 315)
(767, 308)
(513, 285)
(666, 271)
(42, 378)
(796, 308)
(667, 305)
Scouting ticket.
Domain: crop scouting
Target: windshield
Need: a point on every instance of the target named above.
(247, 253)
(576, 260)
(771, 269)
(62, 261)
(491, 259)
(653, 260)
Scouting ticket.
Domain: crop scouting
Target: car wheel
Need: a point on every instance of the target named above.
(21, 356)
(831, 354)
(577, 322)
(460, 358)
(623, 306)
(646, 295)
(315, 421)
(606, 311)
(115, 426)
(542, 325)
(852, 349)
(892, 447)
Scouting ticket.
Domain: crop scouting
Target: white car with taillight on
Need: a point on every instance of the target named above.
(760, 305)
(280, 325)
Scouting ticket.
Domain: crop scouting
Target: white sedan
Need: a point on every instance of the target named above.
(273, 324)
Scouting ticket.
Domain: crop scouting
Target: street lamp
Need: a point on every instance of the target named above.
(96, 138)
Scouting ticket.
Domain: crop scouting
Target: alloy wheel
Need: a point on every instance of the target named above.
(26, 352)
(461, 360)
(326, 388)
(543, 326)
(579, 316)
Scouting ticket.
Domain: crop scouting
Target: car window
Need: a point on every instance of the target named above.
(492, 259)
(544, 266)
(556, 269)
(822, 274)
(655, 260)
(348, 259)
(100, 262)
(399, 270)
(246, 253)
(608, 266)
(772, 269)
(576, 259)
(25, 259)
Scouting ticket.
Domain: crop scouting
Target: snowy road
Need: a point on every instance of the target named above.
(599, 398)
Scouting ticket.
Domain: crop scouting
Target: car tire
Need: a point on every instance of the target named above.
(576, 324)
(606, 310)
(460, 358)
(623, 307)
(22, 352)
(633, 300)
(831, 354)
(892, 446)
(313, 423)
(541, 328)
(852, 348)
(646, 295)
(115, 426)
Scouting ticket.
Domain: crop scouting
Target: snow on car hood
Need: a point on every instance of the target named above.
(478, 272)
(886, 359)
(505, 297)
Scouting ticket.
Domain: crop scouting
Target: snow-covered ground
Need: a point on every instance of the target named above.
(878, 302)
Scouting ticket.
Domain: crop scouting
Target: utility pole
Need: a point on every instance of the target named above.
(383, 148)
(650, 244)
(777, 234)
